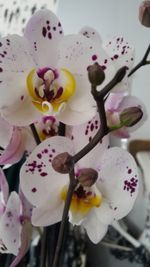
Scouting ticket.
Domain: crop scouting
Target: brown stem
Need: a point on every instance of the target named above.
(99, 98)
(72, 185)
(79, 155)
(143, 62)
(116, 79)
(35, 134)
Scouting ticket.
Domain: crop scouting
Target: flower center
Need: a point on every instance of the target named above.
(82, 200)
(48, 127)
(50, 90)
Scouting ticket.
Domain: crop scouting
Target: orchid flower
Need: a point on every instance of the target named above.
(15, 227)
(46, 73)
(15, 141)
(47, 127)
(118, 49)
(95, 206)
(116, 104)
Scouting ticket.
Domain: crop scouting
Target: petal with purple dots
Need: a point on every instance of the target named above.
(44, 32)
(37, 176)
(118, 181)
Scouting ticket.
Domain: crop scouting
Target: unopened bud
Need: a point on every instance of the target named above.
(144, 13)
(96, 74)
(62, 163)
(87, 176)
(130, 116)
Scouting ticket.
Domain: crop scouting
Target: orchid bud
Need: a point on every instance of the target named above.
(87, 176)
(130, 116)
(62, 163)
(144, 13)
(96, 74)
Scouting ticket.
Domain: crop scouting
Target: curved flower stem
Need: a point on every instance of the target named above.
(99, 98)
(73, 183)
(108, 87)
(143, 62)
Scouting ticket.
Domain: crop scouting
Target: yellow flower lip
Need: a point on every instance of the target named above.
(82, 201)
(48, 95)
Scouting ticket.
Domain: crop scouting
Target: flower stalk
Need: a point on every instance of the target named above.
(143, 62)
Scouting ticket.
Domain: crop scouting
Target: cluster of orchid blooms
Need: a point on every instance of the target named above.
(44, 83)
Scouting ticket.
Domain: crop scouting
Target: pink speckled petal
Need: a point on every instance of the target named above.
(113, 101)
(26, 205)
(15, 149)
(118, 182)
(25, 242)
(76, 54)
(5, 132)
(37, 176)
(91, 33)
(10, 226)
(113, 119)
(44, 33)
(4, 191)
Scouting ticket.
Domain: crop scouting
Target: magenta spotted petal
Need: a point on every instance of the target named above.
(25, 242)
(37, 174)
(118, 181)
(44, 32)
(10, 226)
(115, 104)
(90, 32)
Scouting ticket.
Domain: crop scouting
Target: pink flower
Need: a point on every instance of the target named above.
(15, 229)
(115, 104)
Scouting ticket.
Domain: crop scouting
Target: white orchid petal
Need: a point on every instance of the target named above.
(23, 113)
(44, 33)
(73, 117)
(95, 229)
(120, 51)
(91, 33)
(50, 213)
(77, 53)
(37, 176)
(118, 181)
(15, 149)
